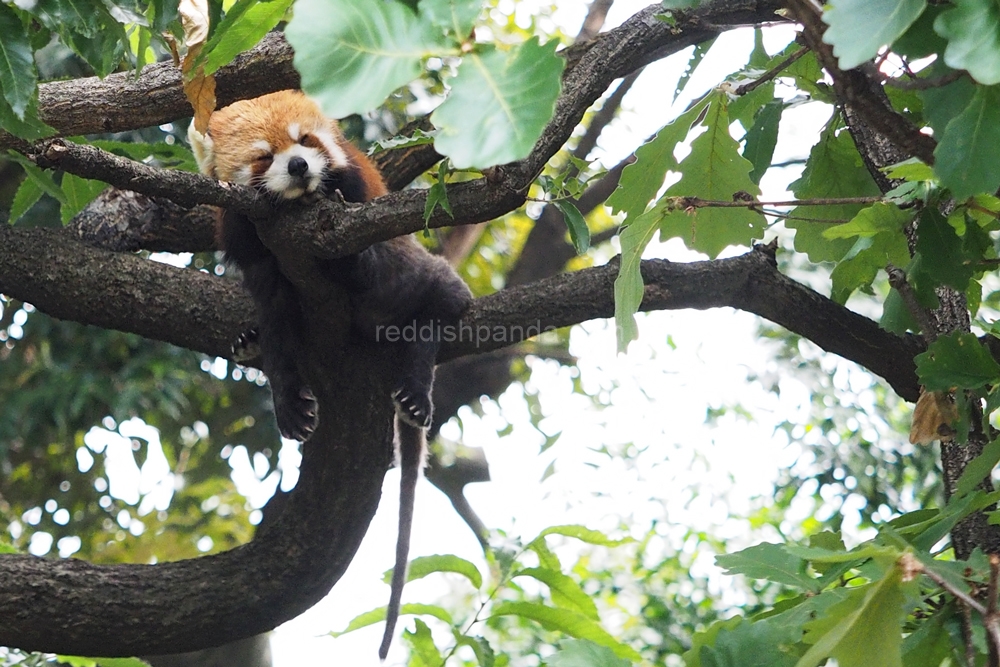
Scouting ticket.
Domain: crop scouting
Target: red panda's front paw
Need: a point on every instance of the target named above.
(296, 415)
(413, 407)
(246, 346)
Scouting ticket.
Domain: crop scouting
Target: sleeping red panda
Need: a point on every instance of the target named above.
(283, 144)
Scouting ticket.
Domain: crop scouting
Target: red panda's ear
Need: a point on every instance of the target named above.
(204, 150)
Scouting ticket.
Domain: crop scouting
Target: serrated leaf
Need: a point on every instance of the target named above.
(485, 655)
(956, 360)
(377, 615)
(584, 534)
(79, 16)
(422, 644)
(628, 285)
(579, 233)
(421, 567)
(762, 137)
(972, 28)
(456, 16)
(351, 55)
(692, 657)
(18, 78)
(964, 159)
(79, 192)
(928, 645)
(760, 644)
(714, 170)
(30, 128)
(27, 194)
(567, 622)
(870, 254)
(499, 103)
(859, 28)
(771, 562)
(945, 258)
(437, 195)
(943, 103)
(641, 180)
(834, 169)
(232, 38)
(979, 468)
(418, 138)
(697, 55)
(40, 177)
(582, 653)
(565, 591)
(863, 630)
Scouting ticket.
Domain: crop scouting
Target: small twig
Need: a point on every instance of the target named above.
(771, 73)
(967, 600)
(698, 202)
(925, 84)
(897, 278)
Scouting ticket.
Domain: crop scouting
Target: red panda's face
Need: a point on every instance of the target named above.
(279, 142)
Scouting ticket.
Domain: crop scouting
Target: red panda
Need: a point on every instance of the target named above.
(282, 144)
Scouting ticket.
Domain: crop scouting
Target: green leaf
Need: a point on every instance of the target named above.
(945, 259)
(714, 170)
(628, 285)
(692, 657)
(579, 233)
(421, 567)
(863, 630)
(419, 138)
(18, 78)
(859, 28)
(499, 103)
(565, 591)
(869, 255)
(697, 55)
(584, 534)
(79, 16)
(834, 169)
(896, 317)
(567, 622)
(40, 177)
(79, 192)
(27, 194)
(771, 562)
(352, 55)
(928, 645)
(979, 468)
(456, 16)
(972, 29)
(964, 158)
(30, 128)
(582, 653)
(484, 652)
(910, 170)
(247, 27)
(875, 219)
(762, 137)
(943, 103)
(760, 644)
(377, 615)
(920, 40)
(956, 360)
(422, 644)
(641, 180)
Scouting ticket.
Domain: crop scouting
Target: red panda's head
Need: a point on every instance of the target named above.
(280, 142)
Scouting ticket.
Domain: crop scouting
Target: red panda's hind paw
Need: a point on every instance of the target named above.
(413, 407)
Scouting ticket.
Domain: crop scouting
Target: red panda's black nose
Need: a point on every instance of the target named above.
(297, 166)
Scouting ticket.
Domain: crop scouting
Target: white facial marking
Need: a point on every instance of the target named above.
(243, 175)
(278, 180)
(294, 131)
(262, 145)
(338, 158)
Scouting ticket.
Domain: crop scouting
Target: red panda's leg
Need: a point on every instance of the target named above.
(279, 323)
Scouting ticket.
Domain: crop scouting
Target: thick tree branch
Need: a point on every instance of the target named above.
(123, 101)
